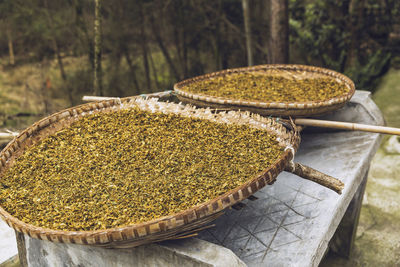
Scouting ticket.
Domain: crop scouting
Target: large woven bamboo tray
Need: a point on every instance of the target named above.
(164, 228)
(295, 109)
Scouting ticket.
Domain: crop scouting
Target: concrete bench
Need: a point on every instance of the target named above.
(291, 223)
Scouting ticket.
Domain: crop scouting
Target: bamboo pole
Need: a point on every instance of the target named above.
(348, 126)
(88, 98)
(7, 136)
(305, 122)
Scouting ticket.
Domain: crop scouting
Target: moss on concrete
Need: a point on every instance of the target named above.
(13, 262)
(379, 244)
(387, 98)
(378, 234)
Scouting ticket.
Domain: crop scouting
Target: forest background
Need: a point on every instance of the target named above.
(47, 48)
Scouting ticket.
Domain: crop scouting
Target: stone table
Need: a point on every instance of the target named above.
(291, 223)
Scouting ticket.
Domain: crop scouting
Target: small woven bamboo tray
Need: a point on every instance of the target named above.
(296, 109)
(169, 227)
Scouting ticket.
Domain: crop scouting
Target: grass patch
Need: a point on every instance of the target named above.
(387, 97)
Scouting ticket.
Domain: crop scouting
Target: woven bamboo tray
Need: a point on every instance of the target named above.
(296, 109)
(169, 227)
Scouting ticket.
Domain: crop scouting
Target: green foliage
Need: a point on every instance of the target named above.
(351, 37)
(195, 37)
(368, 76)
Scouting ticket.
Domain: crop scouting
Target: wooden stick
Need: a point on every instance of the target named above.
(89, 98)
(315, 176)
(101, 98)
(348, 126)
(7, 136)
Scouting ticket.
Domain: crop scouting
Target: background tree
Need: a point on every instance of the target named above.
(98, 75)
(149, 45)
(352, 36)
(247, 30)
(278, 43)
(6, 26)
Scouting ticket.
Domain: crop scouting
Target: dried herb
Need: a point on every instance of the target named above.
(130, 166)
(266, 87)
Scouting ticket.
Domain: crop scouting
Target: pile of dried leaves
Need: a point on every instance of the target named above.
(129, 166)
(268, 88)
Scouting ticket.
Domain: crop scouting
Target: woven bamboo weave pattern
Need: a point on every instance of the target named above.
(164, 228)
(297, 109)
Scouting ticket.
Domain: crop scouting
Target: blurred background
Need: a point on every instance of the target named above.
(52, 52)
(47, 51)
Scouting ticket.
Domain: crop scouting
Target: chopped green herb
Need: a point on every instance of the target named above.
(268, 88)
(129, 166)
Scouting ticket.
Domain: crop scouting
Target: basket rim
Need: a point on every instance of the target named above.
(140, 230)
(269, 104)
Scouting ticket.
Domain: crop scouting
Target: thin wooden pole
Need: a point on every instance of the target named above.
(347, 126)
(6, 136)
(278, 44)
(88, 98)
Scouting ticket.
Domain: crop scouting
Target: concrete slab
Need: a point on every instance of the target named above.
(190, 252)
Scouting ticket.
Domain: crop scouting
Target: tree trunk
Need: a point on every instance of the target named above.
(217, 34)
(97, 81)
(278, 45)
(81, 29)
(143, 43)
(247, 30)
(154, 70)
(56, 48)
(44, 89)
(176, 28)
(132, 69)
(185, 52)
(164, 50)
(62, 70)
(355, 24)
(59, 59)
(10, 46)
(179, 30)
(54, 41)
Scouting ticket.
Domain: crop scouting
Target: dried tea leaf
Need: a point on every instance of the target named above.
(266, 87)
(130, 166)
